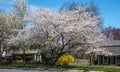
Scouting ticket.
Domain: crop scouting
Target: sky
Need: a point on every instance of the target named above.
(109, 9)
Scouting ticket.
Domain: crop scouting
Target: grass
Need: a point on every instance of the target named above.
(78, 65)
(71, 67)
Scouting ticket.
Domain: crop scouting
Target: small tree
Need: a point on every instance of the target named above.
(10, 21)
(6, 24)
(22, 41)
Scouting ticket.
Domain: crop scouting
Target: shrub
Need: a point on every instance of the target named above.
(65, 60)
(4, 62)
(18, 57)
(18, 62)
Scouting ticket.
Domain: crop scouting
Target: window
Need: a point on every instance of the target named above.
(105, 60)
(117, 59)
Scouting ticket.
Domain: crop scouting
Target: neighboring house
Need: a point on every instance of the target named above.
(114, 48)
(7, 55)
(17, 54)
(29, 55)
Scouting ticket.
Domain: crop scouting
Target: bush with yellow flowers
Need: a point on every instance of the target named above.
(65, 60)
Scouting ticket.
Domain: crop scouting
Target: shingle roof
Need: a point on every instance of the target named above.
(114, 50)
(111, 43)
(27, 52)
(112, 46)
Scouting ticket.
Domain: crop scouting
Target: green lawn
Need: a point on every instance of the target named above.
(78, 65)
(97, 68)
(45, 67)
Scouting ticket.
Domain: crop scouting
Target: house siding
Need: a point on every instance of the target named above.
(116, 60)
(99, 60)
(7, 57)
(111, 60)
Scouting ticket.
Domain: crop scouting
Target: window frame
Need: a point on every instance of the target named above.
(116, 60)
(104, 60)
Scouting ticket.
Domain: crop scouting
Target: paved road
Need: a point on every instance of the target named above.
(20, 70)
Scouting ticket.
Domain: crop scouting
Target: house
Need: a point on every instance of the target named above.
(114, 48)
(7, 55)
(15, 53)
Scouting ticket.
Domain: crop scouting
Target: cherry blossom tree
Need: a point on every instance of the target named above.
(62, 33)
(19, 35)
(21, 41)
(7, 23)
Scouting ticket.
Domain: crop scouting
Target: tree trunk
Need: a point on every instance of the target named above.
(98, 59)
(1, 52)
(91, 59)
(0, 59)
(50, 60)
(24, 61)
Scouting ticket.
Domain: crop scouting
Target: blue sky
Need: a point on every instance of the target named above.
(110, 9)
